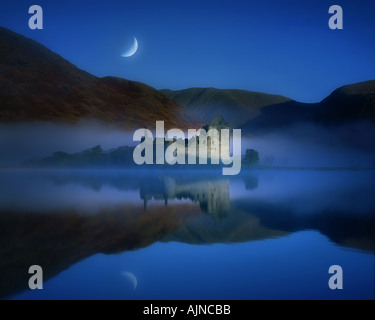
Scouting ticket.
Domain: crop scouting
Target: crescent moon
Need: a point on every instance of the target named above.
(133, 49)
(131, 277)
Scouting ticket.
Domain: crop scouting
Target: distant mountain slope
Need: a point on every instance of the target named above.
(37, 84)
(349, 103)
(281, 115)
(236, 106)
(345, 105)
(257, 112)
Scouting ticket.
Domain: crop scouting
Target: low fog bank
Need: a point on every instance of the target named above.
(20, 142)
(308, 145)
(301, 145)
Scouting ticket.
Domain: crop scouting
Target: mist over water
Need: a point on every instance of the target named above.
(20, 142)
(300, 145)
(309, 145)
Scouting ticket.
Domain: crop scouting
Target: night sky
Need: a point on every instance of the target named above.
(275, 46)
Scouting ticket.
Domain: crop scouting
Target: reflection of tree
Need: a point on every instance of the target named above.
(251, 182)
(212, 195)
(96, 180)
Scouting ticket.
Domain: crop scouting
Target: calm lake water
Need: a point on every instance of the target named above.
(187, 235)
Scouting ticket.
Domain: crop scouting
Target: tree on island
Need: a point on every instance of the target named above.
(251, 158)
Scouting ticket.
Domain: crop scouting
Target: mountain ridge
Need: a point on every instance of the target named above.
(37, 84)
(345, 105)
(264, 112)
(243, 105)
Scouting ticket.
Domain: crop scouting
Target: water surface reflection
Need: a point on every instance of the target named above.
(58, 218)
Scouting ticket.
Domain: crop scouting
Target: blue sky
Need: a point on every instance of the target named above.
(274, 46)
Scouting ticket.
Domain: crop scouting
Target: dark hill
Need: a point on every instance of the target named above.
(347, 104)
(37, 84)
(281, 115)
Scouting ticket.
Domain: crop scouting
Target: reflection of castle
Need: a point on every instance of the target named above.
(212, 195)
